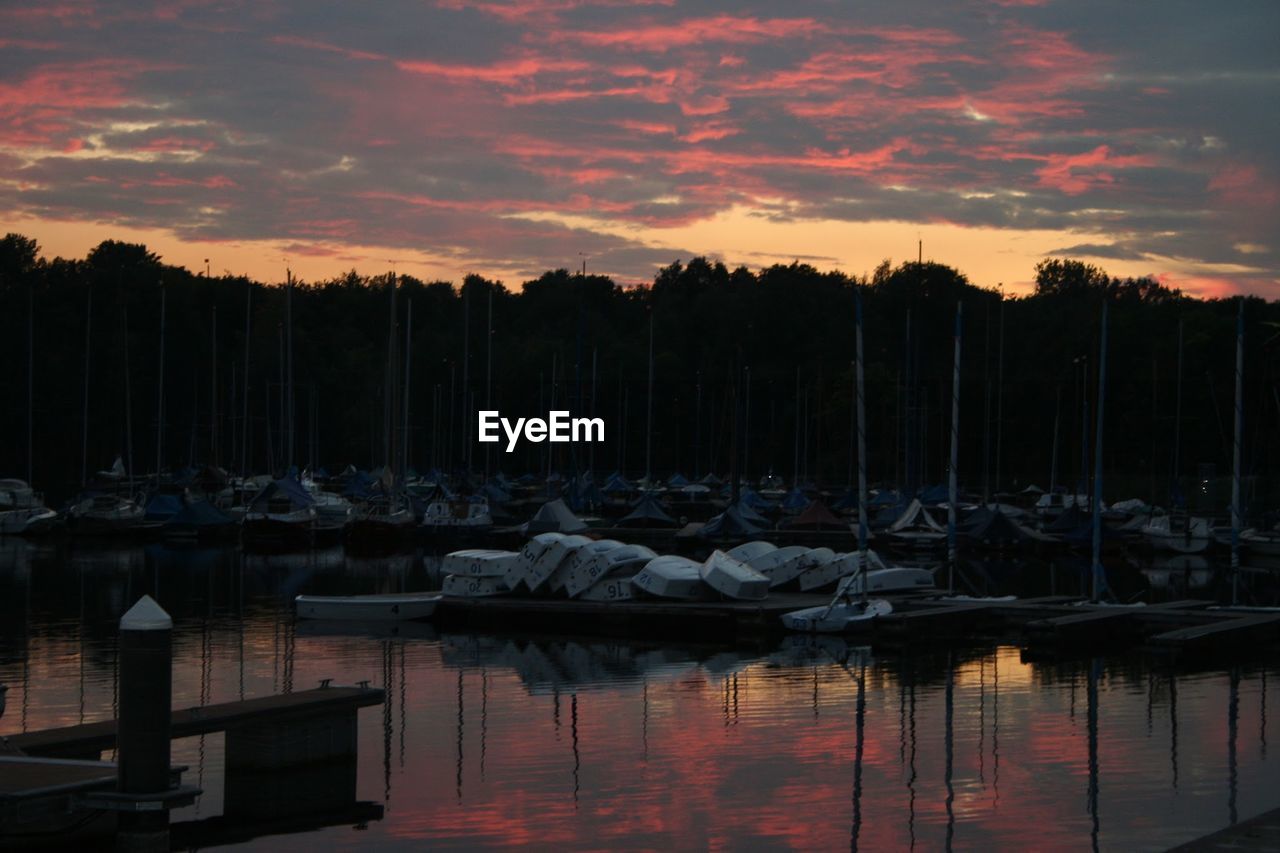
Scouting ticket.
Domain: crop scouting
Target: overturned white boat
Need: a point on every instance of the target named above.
(585, 553)
(781, 565)
(517, 573)
(750, 551)
(670, 576)
(478, 563)
(587, 570)
(387, 606)
(733, 578)
(617, 588)
(822, 567)
(466, 586)
(891, 579)
(541, 569)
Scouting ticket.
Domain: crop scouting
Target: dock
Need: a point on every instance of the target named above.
(1261, 833)
(1045, 626)
(287, 709)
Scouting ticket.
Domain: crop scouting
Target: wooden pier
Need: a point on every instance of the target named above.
(287, 709)
(1046, 626)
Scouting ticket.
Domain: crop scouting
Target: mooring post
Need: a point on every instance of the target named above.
(146, 675)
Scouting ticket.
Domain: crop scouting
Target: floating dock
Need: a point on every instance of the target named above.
(287, 709)
(1048, 626)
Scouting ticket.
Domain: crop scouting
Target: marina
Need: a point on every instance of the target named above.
(496, 692)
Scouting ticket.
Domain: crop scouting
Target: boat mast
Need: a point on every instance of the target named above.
(1177, 419)
(862, 451)
(84, 439)
(648, 430)
(31, 356)
(1235, 476)
(404, 433)
(955, 449)
(160, 393)
(128, 403)
(1000, 395)
(288, 324)
(244, 427)
(213, 408)
(1099, 577)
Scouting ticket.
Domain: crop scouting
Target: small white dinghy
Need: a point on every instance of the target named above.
(389, 606)
(893, 579)
(783, 565)
(837, 617)
(467, 586)
(733, 578)
(614, 588)
(478, 563)
(541, 569)
(823, 567)
(748, 552)
(670, 576)
(518, 572)
(587, 569)
(560, 576)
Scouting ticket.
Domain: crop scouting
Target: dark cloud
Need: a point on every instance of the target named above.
(465, 128)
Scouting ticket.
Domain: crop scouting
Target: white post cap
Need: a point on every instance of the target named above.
(146, 615)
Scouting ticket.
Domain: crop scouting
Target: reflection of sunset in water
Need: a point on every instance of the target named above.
(490, 741)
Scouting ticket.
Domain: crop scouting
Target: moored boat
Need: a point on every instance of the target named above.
(733, 579)
(386, 606)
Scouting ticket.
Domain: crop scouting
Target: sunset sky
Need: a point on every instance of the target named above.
(508, 138)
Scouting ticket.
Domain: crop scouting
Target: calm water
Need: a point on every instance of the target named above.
(488, 741)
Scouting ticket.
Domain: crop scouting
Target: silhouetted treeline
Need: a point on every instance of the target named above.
(777, 343)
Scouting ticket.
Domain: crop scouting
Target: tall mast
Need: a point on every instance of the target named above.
(1235, 475)
(244, 427)
(213, 408)
(953, 491)
(648, 430)
(160, 393)
(1099, 577)
(1000, 395)
(862, 450)
(31, 356)
(128, 403)
(288, 323)
(466, 378)
(488, 372)
(1177, 416)
(84, 438)
(404, 433)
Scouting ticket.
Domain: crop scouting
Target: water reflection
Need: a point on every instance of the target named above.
(568, 741)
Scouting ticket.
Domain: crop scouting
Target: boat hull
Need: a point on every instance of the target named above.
(365, 608)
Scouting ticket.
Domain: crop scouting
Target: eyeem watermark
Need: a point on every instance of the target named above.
(559, 427)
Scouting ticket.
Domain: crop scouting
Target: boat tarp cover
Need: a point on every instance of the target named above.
(647, 513)
(935, 495)
(677, 481)
(554, 516)
(795, 500)
(816, 516)
(711, 480)
(618, 483)
(849, 500)
(163, 507)
(997, 528)
(287, 486)
(745, 510)
(200, 514)
(915, 515)
(730, 525)
(494, 493)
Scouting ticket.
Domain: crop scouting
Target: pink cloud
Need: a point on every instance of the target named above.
(507, 72)
(312, 44)
(1077, 173)
(1241, 184)
(721, 29)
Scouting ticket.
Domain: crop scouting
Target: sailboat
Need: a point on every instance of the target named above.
(22, 510)
(1178, 532)
(844, 612)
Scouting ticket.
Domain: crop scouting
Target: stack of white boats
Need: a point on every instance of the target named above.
(572, 566)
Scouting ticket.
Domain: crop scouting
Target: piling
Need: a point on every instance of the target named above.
(146, 675)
